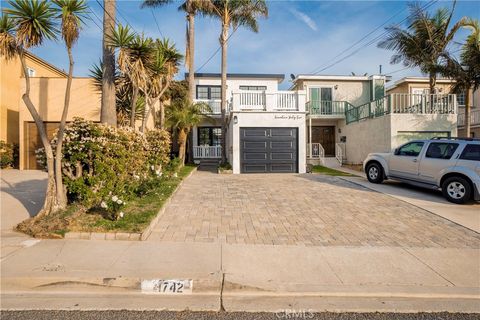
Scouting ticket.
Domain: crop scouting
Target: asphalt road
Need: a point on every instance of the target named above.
(167, 315)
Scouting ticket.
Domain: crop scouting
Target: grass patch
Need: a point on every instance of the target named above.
(329, 171)
(139, 212)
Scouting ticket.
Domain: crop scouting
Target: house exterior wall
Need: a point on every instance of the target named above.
(47, 95)
(11, 90)
(233, 84)
(355, 92)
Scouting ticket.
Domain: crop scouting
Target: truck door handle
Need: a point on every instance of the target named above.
(414, 160)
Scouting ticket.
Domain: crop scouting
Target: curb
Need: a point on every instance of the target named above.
(128, 236)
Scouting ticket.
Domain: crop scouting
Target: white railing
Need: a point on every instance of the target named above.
(268, 101)
(422, 103)
(474, 118)
(315, 151)
(207, 152)
(215, 106)
(339, 152)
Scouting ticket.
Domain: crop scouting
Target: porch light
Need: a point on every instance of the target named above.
(235, 119)
(336, 87)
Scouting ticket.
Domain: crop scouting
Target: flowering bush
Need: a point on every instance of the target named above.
(112, 205)
(100, 161)
(6, 154)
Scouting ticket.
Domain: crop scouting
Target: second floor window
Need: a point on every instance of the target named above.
(209, 92)
(31, 72)
(461, 99)
(253, 88)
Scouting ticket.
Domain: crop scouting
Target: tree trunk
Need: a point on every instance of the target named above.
(50, 205)
(133, 106)
(432, 82)
(162, 115)
(223, 43)
(61, 193)
(108, 113)
(191, 56)
(467, 112)
(182, 139)
(148, 109)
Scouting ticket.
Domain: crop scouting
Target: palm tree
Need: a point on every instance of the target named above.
(134, 57)
(108, 111)
(465, 72)
(424, 41)
(71, 13)
(27, 24)
(234, 13)
(191, 7)
(183, 116)
(164, 66)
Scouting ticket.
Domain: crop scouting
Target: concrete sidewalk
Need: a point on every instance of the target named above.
(82, 274)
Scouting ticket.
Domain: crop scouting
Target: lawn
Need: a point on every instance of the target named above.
(138, 213)
(329, 171)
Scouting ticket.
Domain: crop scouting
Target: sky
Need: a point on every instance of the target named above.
(298, 37)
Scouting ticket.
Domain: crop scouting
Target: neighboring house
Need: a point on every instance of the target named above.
(11, 91)
(343, 117)
(420, 85)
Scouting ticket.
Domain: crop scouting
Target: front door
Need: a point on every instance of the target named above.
(325, 135)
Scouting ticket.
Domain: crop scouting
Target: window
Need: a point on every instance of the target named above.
(461, 99)
(253, 88)
(31, 72)
(411, 149)
(471, 152)
(441, 150)
(209, 92)
(209, 136)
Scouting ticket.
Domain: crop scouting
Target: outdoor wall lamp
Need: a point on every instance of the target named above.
(336, 87)
(235, 119)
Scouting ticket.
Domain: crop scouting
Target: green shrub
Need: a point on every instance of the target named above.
(6, 155)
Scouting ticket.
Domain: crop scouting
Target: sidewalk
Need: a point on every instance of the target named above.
(86, 274)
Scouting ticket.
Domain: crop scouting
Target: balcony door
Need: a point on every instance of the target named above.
(321, 100)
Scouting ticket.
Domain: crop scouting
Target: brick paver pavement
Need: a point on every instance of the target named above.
(311, 210)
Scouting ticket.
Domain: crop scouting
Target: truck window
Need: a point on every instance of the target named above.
(411, 149)
(471, 152)
(441, 150)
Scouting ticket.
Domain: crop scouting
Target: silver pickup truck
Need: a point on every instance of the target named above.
(449, 164)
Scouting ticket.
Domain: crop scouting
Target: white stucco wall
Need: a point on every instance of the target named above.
(233, 84)
(355, 92)
(269, 119)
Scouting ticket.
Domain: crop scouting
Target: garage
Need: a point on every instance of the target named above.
(265, 150)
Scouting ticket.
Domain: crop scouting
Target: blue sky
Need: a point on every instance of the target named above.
(298, 37)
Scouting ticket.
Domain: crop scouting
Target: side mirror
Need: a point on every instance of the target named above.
(395, 151)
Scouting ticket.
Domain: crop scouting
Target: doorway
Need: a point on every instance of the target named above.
(325, 135)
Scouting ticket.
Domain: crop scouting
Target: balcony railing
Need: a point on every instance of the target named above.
(474, 118)
(326, 108)
(403, 103)
(207, 152)
(268, 101)
(215, 106)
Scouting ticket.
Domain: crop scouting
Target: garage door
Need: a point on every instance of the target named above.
(268, 150)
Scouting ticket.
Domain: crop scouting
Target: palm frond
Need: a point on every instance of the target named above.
(8, 44)
(72, 14)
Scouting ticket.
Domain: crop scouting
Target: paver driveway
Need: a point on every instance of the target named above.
(303, 209)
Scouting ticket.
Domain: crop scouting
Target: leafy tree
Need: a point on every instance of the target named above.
(234, 13)
(424, 41)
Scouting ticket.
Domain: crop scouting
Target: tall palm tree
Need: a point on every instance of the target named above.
(183, 116)
(191, 8)
(135, 53)
(163, 67)
(25, 25)
(465, 72)
(108, 112)
(424, 41)
(234, 13)
(71, 13)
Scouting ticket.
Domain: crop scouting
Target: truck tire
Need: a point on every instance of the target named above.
(456, 190)
(374, 173)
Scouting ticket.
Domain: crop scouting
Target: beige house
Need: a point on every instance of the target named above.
(420, 85)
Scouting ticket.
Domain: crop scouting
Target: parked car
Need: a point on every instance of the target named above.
(449, 164)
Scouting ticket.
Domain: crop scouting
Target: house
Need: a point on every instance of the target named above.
(320, 117)
(420, 85)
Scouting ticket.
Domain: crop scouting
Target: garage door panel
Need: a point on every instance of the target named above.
(268, 150)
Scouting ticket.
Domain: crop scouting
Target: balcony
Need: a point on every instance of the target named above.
(327, 109)
(214, 104)
(474, 118)
(286, 101)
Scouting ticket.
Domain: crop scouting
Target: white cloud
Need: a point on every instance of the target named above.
(306, 19)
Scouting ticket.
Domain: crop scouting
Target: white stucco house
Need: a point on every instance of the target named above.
(320, 117)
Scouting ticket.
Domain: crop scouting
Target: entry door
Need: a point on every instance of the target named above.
(325, 135)
(404, 163)
(265, 150)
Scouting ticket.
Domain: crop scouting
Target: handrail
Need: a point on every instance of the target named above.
(207, 152)
(339, 152)
(325, 107)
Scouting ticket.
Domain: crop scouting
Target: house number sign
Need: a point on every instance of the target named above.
(172, 286)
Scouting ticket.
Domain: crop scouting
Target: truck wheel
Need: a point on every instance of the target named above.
(374, 173)
(456, 190)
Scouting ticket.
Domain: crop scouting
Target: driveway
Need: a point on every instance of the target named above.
(306, 209)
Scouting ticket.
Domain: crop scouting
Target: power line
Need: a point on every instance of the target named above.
(390, 73)
(216, 51)
(156, 22)
(92, 12)
(370, 42)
